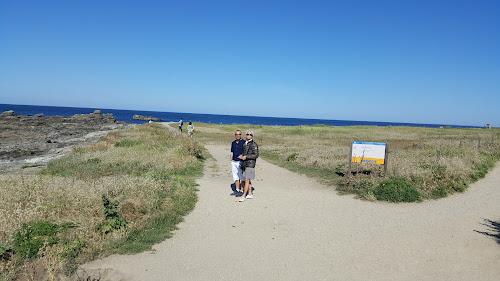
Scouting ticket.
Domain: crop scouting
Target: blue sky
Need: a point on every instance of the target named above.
(401, 61)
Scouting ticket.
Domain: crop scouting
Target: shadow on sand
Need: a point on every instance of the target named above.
(233, 187)
(493, 229)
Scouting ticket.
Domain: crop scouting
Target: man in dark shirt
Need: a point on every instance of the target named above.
(236, 151)
(180, 124)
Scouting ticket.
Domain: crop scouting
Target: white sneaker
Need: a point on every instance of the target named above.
(250, 196)
(242, 199)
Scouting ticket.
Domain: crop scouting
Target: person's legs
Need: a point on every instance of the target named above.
(241, 177)
(249, 187)
(249, 175)
(236, 176)
(245, 191)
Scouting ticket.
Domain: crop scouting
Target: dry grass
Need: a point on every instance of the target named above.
(150, 171)
(436, 161)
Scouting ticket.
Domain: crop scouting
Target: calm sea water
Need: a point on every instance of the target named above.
(126, 115)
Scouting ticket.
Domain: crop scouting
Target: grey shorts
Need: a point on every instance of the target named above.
(249, 173)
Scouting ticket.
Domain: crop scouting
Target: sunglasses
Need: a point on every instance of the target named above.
(249, 135)
(237, 134)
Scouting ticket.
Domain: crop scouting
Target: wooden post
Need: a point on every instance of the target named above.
(438, 155)
(386, 158)
(350, 162)
(479, 143)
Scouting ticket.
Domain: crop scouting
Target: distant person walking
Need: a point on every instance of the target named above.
(190, 129)
(250, 155)
(180, 124)
(236, 151)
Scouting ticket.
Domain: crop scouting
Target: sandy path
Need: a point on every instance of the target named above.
(297, 229)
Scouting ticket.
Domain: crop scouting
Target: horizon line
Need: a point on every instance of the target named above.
(252, 116)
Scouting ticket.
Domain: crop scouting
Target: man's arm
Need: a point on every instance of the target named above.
(232, 151)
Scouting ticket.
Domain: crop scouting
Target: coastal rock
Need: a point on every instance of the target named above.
(38, 115)
(146, 118)
(97, 116)
(38, 139)
(8, 113)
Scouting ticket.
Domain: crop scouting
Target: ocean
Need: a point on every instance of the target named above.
(126, 115)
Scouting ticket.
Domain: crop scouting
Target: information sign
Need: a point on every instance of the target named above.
(368, 152)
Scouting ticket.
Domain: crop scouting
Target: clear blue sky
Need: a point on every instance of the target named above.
(402, 61)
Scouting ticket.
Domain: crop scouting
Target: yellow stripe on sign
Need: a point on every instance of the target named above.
(368, 160)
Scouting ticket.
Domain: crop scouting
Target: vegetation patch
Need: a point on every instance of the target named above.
(124, 193)
(6, 251)
(32, 236)
(112, 214)
(29, 166)
(127, 143)
(396, 190)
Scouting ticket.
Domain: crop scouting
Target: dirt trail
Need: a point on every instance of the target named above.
(297, 229)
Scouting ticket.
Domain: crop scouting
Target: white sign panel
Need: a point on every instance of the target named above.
(368, 152)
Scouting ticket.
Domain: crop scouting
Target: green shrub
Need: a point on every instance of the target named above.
(112, 215)
(439, 192)
(94, 160)
(396, 190)
(291, 157)
(480, 171)
(126, 143)
(194, 149)
(5, 251)
(31, 237)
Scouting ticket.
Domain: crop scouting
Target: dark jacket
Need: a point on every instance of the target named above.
(251, 151)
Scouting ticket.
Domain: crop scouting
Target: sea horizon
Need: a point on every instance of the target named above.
(127, 114)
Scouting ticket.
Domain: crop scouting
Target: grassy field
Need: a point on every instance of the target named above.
(128, 191)
(424, 163)
(120, 195)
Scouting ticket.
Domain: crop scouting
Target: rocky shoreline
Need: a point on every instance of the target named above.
(27, 140)
(146, 118)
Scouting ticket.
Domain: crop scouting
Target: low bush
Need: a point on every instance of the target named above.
(112, 214)
(126, 143)
(6, 251)
(396, 190)
(291, 157)
(194, 149)
(32, 236)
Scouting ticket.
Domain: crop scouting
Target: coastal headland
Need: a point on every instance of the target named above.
(34, 140)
